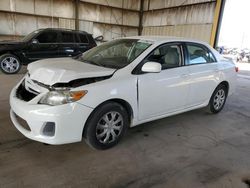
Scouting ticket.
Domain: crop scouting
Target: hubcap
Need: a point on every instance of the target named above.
(219, 99)
(109, 127)
(10, 64)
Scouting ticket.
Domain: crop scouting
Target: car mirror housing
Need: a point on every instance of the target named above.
(152, 67)
(34, 41)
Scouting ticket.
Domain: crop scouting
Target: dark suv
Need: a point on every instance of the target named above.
(43, 43)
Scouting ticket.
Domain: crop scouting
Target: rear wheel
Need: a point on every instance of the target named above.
(9, 64)
(218, 99)
(106, 126)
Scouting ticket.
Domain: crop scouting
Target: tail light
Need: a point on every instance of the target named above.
(236, 69)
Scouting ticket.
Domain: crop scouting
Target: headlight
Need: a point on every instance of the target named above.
(62, 97)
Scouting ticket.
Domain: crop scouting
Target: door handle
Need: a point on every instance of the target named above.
(69, 50)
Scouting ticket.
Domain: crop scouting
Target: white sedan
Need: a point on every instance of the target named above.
(117, 85)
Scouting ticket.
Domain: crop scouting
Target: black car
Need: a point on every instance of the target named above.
(43, 43)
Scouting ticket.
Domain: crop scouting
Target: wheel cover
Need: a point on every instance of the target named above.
(219, 99)
(10, 64)
(109, 127)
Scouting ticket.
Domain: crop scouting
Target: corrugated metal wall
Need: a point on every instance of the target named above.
(111, 18)
(184, 18)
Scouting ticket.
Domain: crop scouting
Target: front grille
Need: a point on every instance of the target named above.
(24, 94)
(22, 122)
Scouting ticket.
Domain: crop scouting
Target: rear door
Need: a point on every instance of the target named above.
(67, 46)
(204, 73)
(47, 46)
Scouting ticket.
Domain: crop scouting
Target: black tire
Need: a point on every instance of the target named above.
(15, 65)
(214, 105)
(96, 123)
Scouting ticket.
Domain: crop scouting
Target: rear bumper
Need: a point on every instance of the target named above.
(232, 84)
(68, 119)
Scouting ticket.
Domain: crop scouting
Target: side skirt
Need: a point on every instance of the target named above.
(135, 123)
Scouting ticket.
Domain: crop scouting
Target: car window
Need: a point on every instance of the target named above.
(83, 38)
(169, 56)
(115, 54)
(77, 39)
(199, 55)
(67, 37)
(90, 39)
(47, 37)
(30, 36)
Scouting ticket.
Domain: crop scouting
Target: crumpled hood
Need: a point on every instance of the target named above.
(63, 70)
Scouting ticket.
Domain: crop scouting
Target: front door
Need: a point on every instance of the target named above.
(164, 92)
(46, 46)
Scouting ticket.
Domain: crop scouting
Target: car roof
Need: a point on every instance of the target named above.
(63, 29)
(158, 40)
(164, 39)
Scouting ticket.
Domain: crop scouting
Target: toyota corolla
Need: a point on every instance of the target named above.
(119, 84)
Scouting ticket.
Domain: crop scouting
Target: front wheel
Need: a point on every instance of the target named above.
(9, 64)
(106, 126)
(218, 99)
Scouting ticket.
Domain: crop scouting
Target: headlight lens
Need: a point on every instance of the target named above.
(62, 97)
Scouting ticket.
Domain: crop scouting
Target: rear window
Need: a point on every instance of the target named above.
(83, 38)
(91, 40)
(199, 54)
(67, 37)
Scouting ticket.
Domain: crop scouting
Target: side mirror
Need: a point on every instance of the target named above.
(152, 67)
(34, 41)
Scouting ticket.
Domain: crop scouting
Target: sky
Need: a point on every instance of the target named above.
(235, 28)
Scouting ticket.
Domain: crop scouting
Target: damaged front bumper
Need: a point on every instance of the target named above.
(48, 124)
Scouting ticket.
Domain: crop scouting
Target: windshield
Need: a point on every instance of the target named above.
(30, 36)
(115, 54)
